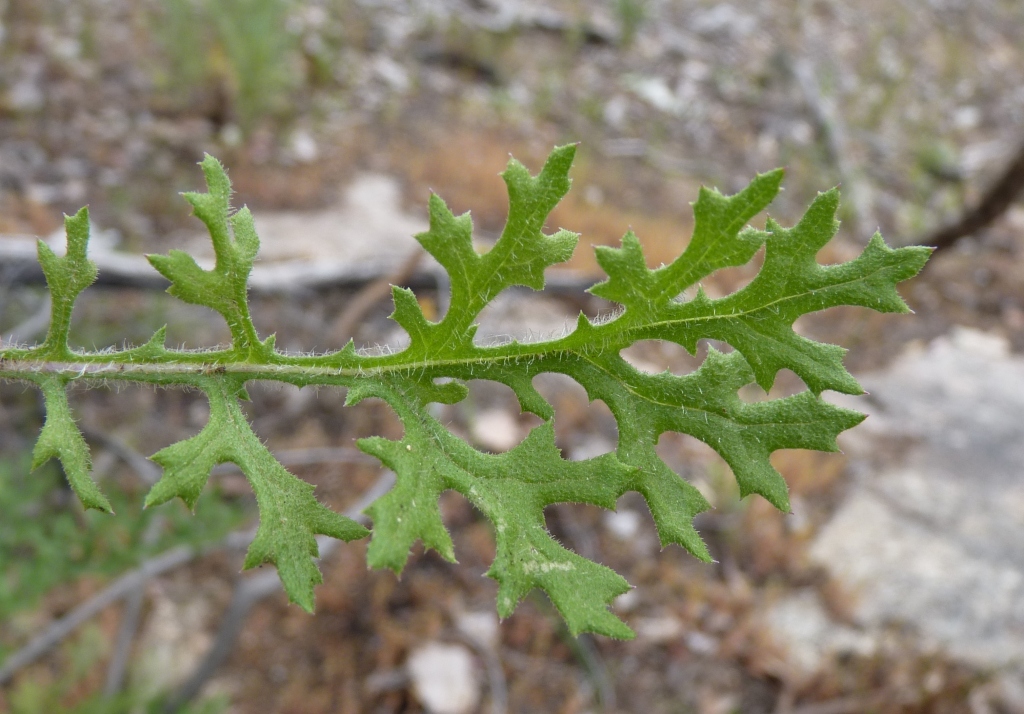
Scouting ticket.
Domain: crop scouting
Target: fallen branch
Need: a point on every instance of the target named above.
(20, 266)
(147, 471)
(131, 618)
(117, 269)
(253, 589)
(62, 628)
(32, 326)
(345, 325)
(993, 204)
(149, 569)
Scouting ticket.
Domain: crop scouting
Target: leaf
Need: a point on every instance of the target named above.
(757, 321)
(511, 489)
(61, 439)
(289, 514)
(519, 256)
(235, 243)
(753, 326)
(66, 277)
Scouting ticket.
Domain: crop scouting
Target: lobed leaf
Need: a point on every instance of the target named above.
(67, 277)
(290, 516)
(510, 489)
(235, 243)
(61, 439)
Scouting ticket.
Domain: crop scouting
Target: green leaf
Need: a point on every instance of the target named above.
(289, 513)
(61, 439)
(235, 243)
(718, 241)
(66, 277)
(511, 489)
(753, 326)
(519, 256)
(757, 321)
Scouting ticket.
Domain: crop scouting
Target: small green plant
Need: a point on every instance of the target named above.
(241, 49)
(43, 544)
(511, 489)
(631, 15)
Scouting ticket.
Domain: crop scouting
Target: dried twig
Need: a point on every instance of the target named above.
(117, 269)
(253, 589)
(586, 650)
(146, 470)
(129, 582)
(20, 266)
(345, 325)
(496, 683)
(994, 203)
(131, 618)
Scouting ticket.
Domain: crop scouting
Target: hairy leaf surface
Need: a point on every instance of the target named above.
(510, 489)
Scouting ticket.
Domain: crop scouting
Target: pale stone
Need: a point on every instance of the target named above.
(658, 630)
(479, 627)
(933, 540)
(444, 678)
(496, 429)
(367, 227)
(622, 524)
(809, 637)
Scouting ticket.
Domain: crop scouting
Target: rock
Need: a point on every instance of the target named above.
(480, 627)
(809, 637)
(1002, 695)
(496, 430)
(173, 640)
(444, 678)
(700, 643)
(303, 147)
(933, 540)
(658, 630)
(523, 316)
(26, 96)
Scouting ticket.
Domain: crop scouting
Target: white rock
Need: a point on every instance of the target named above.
(394, 74)
(656, 92)
(303, 147)
(658, 630)
(368, 227)
(591, 446)
(482, 627)
(172, 642)
(25, 96)
(496, 429)
(627, 601)
(809, 636)
(700, 643)
(525, 317)
(933, 541)
(444, 678)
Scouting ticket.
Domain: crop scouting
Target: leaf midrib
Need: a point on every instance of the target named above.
(190, 364)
